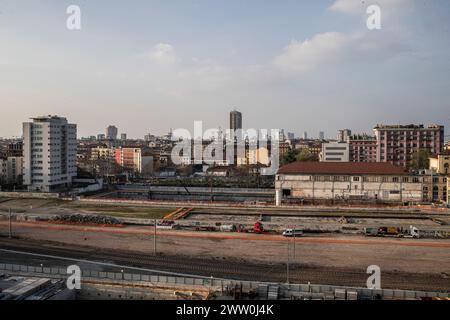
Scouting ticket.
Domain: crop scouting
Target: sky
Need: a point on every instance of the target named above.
(147, 66)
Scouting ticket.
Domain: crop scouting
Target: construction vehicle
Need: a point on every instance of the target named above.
(258, 228)
(412, 232)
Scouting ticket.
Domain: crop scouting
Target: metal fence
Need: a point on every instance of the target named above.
(286, 290)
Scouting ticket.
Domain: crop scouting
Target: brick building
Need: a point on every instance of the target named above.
(396, 143)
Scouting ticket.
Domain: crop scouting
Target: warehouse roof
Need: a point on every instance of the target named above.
(342, 168)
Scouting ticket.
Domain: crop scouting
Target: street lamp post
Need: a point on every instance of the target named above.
(287, 264)
(294, 246)
(154, 239)
(10, 223)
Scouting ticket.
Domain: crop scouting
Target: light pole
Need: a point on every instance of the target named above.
(294, 243)
(10, 224)
(154, 240)
(287, 264)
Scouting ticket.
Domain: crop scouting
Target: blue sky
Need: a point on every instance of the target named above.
(148, 66)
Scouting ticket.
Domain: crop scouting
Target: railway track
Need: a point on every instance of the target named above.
(233, 269)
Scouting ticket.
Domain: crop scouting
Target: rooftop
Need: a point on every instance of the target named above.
(343, 168)
(48, 118)
(409, 126)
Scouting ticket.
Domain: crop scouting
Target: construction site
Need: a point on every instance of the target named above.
(176, 250)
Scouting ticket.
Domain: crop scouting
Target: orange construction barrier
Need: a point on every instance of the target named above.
(170, 215)
(183, 214)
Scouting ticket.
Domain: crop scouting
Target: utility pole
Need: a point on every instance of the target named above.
(154, 240)
(294, 243)
(211, 189)
(287, 264)
(10, 223)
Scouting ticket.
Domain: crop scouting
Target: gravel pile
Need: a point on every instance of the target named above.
(87, 219)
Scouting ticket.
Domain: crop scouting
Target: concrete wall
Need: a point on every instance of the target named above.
(202, 284)
(28, 195)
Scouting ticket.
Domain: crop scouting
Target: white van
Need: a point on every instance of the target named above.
(293, 233)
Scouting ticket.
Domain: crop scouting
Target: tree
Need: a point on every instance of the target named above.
(306, 155)
(289, 157)
(420, 159)
(298, 155)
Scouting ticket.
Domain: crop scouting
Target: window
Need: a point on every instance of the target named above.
(356, 179)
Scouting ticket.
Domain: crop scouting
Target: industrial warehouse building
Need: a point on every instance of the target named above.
(348, 180)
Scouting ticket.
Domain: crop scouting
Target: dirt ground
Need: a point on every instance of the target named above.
(408, 255)
(329, 223)
(52, 206)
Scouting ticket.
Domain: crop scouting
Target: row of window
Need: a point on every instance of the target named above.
(384, 179)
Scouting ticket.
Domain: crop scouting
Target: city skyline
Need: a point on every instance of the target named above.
(152, 73)
(246, 153)
(305, 135)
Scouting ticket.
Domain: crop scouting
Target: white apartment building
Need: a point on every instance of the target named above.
(335, 152)
(50, 153)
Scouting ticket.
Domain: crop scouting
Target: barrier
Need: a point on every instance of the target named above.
(286, 290)
(29, 195)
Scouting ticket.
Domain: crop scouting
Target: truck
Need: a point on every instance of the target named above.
(258, 228)
(166, 224)
(228, 228)
(411, 232)
(292, 233)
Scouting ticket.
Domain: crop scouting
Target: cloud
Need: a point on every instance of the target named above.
(336, 48)
(333, 48)
(304, 56)
(359, 7)
(163, 54)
